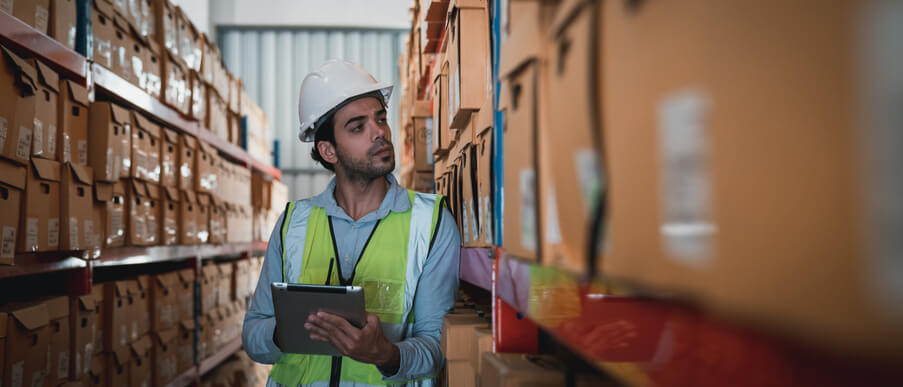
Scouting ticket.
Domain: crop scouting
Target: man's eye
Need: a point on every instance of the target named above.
(381, 120)
(356, 129)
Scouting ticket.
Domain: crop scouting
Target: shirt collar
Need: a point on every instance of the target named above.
(396, 200)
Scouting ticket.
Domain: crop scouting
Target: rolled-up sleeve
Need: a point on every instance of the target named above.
(436, 290)
(260, 321)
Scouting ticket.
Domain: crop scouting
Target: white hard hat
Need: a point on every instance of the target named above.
(330, 85)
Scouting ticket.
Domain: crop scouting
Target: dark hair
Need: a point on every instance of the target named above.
(324, 132)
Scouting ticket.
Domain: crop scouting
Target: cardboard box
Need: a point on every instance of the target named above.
(120, 8)
(169, 156)
(186, 162)
(459, 373)
(141, 307)
(145, 149)
(140, 368)
(102, 32)
(217, 114)
(117, 366)
(73, 123)
(164, 312)
(483, 149)
(456, 332)
(468, 74)
(40, 215)
(44, 126)
(35, 13)
(169, 210)
(198, 96)
(185, 294)
(154, 210)
(12, 185)
(97, 371)
(166, 23)
(110, 202)
(202, 222)
(188, 219)
(423, 130)
(136, 198)
(513, 369)
(440, 112)
(176, 92)
(142, 16)
(209, 287)
(480, 343)
(185, 344)
(117, 314)
(17, 107)
(235, 130)
(153, 69)
(226, 283)
(79, 230)
(165, 356)
(108, 141)
(83, 321)
(190, 42)
(122, 44)
(137, 56)
(206, 177)
(58, 319)
(217, 220)
(27, 328)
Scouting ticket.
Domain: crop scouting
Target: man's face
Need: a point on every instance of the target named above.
(363, 140)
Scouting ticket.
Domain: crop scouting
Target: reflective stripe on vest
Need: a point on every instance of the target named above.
(388, 269)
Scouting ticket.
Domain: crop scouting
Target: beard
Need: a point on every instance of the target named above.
(370, 167)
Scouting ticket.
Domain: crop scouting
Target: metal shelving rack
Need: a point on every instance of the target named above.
(78, 266)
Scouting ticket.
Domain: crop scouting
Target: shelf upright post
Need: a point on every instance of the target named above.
(84, 38)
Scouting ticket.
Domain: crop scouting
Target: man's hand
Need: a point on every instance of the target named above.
(366, 345)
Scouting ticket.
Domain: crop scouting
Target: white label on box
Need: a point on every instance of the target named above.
(134, 330)
(591, 184)
(429, 140)
(53, 232)
(474, 232)
(116, 222)
(17, 374)
(37, 141)
(686, 228)
(139, 228)
(125, 154)
(23, 146)
(73, 233)
(41, 16)
(31, 234)
(78, 364)
(151, 236)
(70, 37)
(124, 334)
(37, 378)
(7, 6)
(553, 229)
(51, 139)
(528, 209)
(882, 90)
(82, 148)
(464, 227)
(140, 164)
(67, 149)
(89, 232)
(62, 370)
(487, 221)
(153, 167)
(109, 167)
(8, 246)
(4, 129)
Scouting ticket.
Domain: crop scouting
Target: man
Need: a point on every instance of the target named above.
(402, 247)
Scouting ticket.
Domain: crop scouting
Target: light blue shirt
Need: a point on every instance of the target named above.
(436, 290)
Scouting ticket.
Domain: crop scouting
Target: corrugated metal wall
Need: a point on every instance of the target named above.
(273, 62)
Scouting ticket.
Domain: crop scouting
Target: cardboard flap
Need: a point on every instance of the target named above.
(146, 125)
(484, 118)
(141, 347)
(189, 196)
(172, 193)
(57, 307)
(167, 336)
(224, 269)
(186, 275)
(119, 188)
(204, 199)
(77, 93)
(46, 76)
(524, 42)
(153, 191)
(153, 46)
(82, 173)
(120, 114)
(207, 148)
(121, 23)
(210, 271)
(564, 15)
(105, 8)
(122, 288)
(26, 72)
(103, 192)
(143, 282)
(174, 60)
(87, 303)
(12, 174)
(188, 325)
(121, 355)
(165, 281)
(46, 169)
(171, 135)
(190, 142)
(32, 317)
(139, 188)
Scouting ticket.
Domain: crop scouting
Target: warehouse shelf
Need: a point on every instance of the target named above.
(151, 254)
(40, 263)
(23, 37)
(211, 362)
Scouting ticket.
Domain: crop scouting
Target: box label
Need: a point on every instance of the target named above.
(90, 238)
(41, 16)
(124, 160)
(465, 227)
(552, 229)
(17, 374)
(116, 222)
(429, 140)
(151, 231)
(73, 233)
(108, 166)
(62, 370)
(31, 234)
(53, 232)
(528, 209)
(686, 229)
(23, 146)
(82, 148)
(139, 228)
(67, 149)
(586, 162)
(51, 139)
(8, 246)
(37, 141)
(123, 334)
(153, 167)
(140, 164)
(70, 36)
(3, 133)
(7, 6)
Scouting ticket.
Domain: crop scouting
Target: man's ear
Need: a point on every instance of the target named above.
(327, 151)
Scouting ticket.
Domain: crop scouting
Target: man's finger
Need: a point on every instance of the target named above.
(338, 322)
(324, 324)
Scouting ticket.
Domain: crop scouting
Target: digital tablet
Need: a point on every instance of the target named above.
(293, 303)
